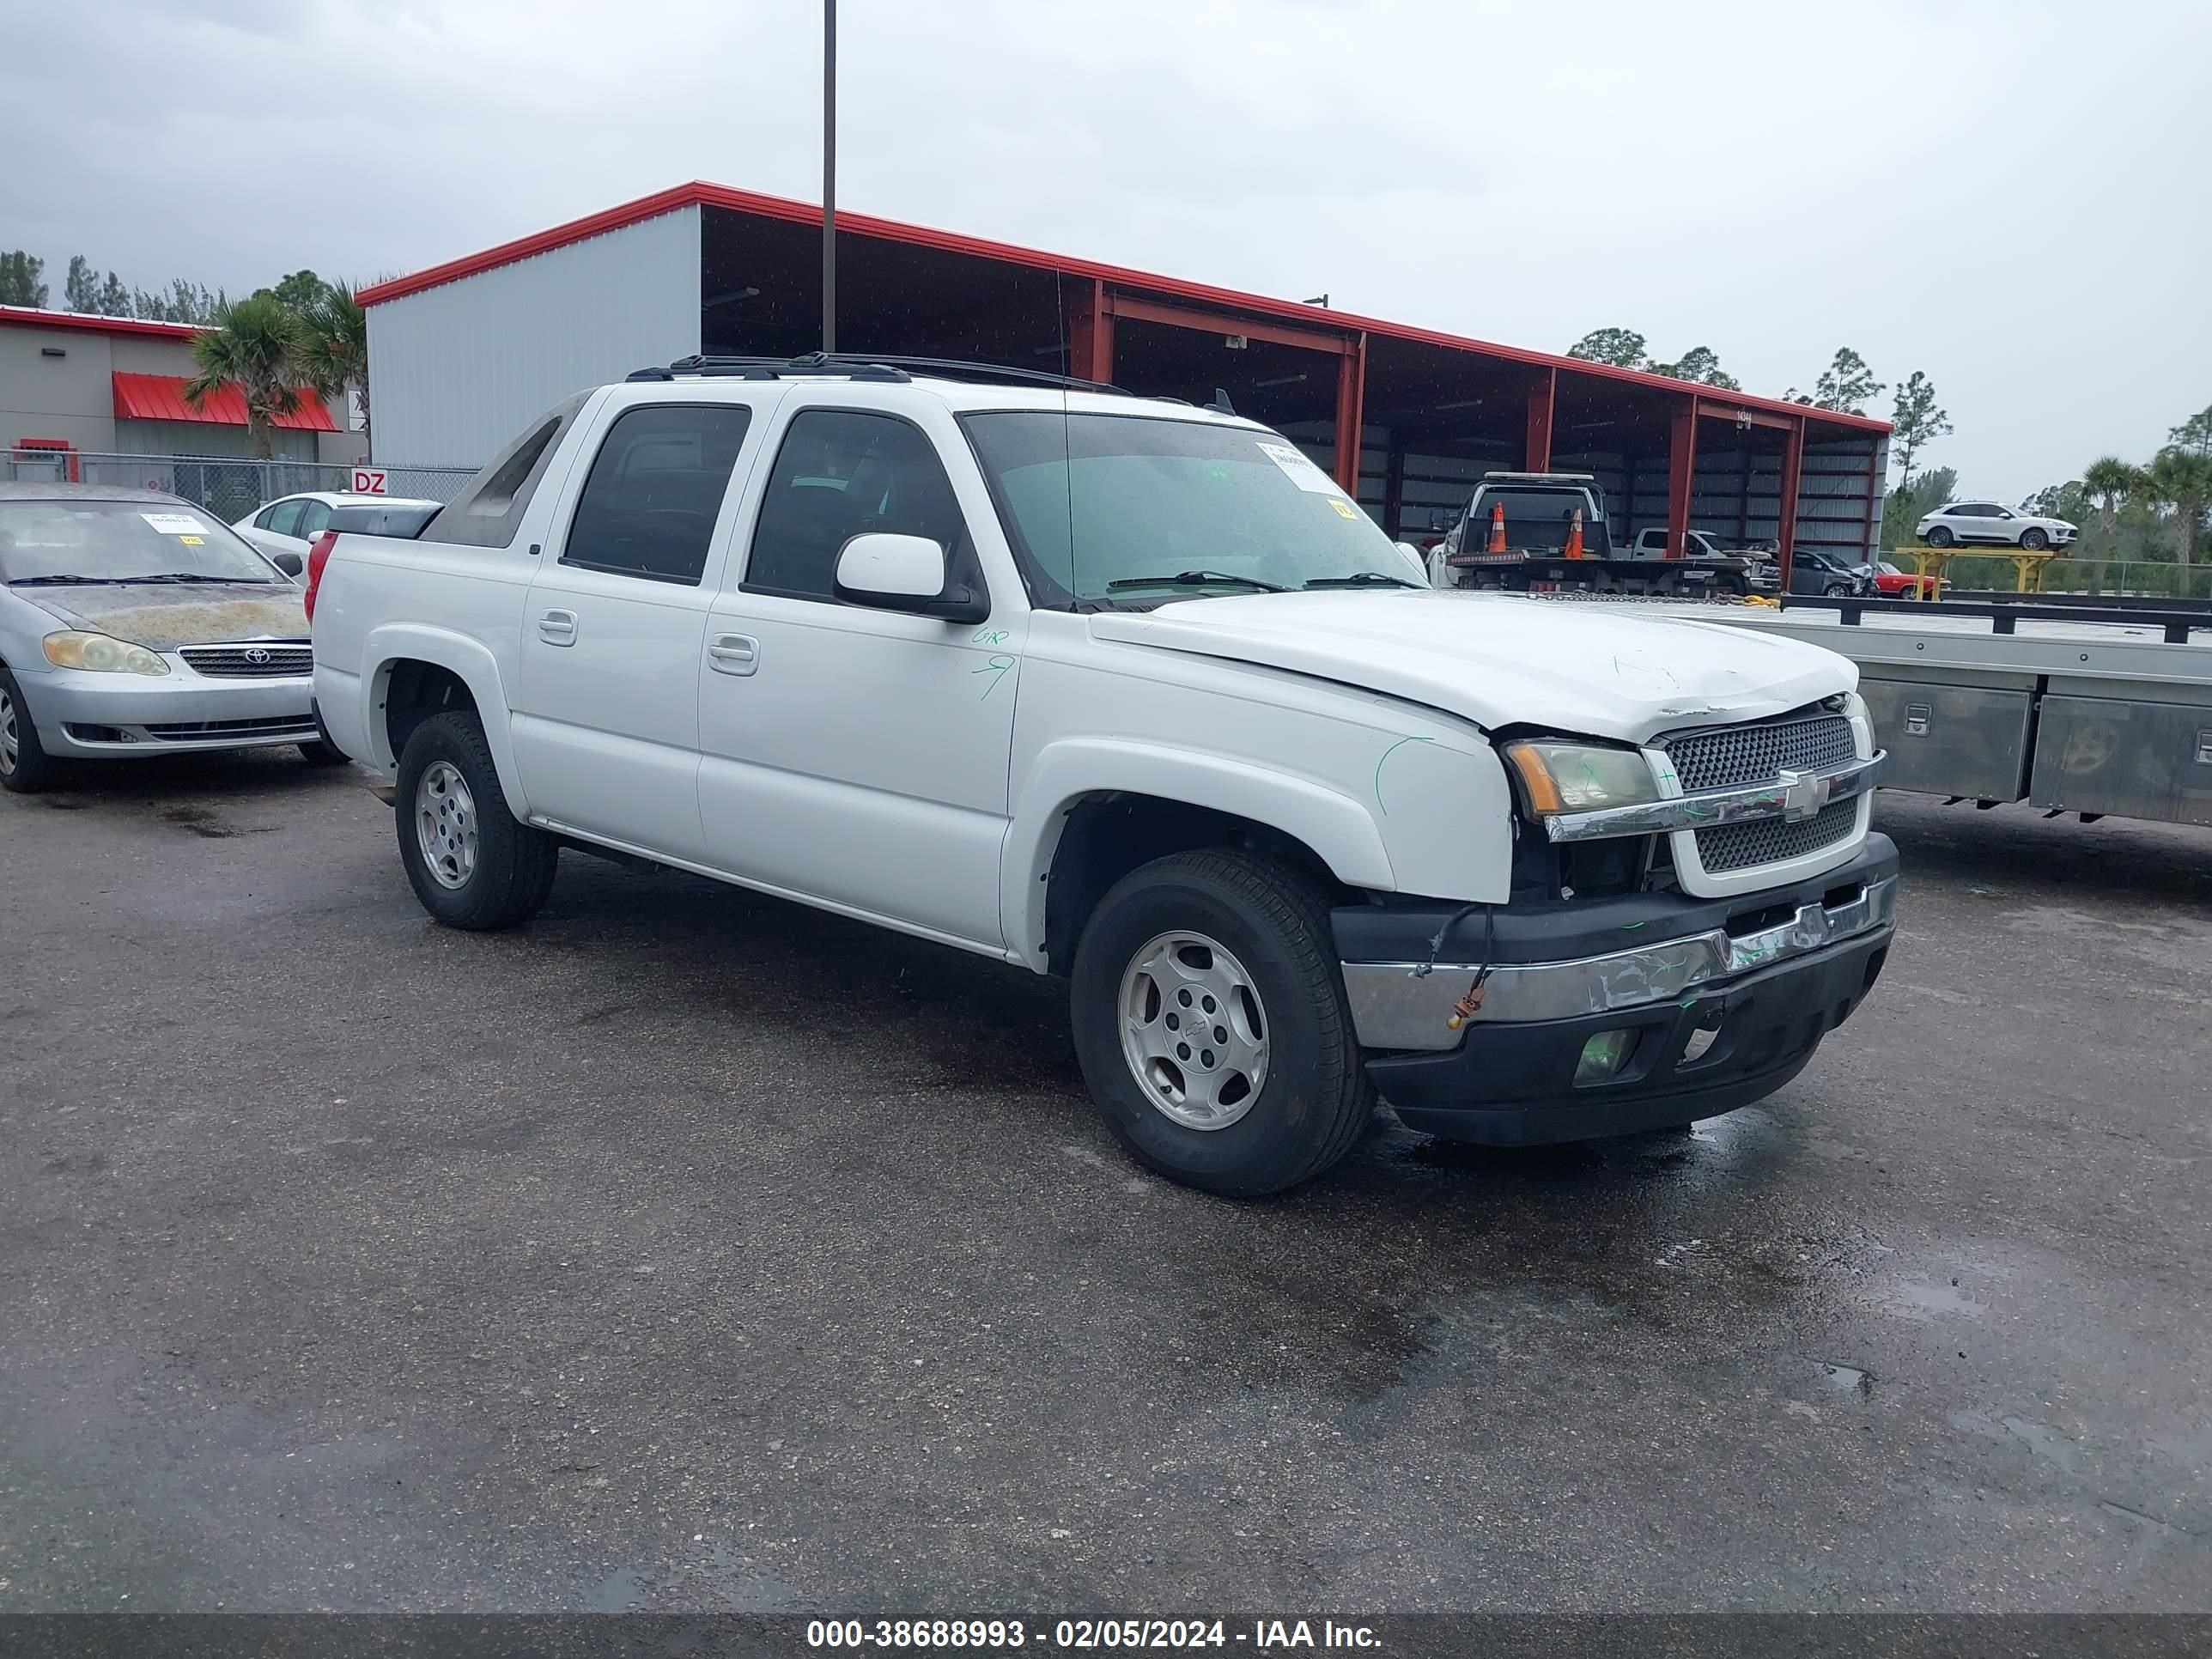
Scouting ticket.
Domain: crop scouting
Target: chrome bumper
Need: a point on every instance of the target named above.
(1394, 1005)
(1793, 795)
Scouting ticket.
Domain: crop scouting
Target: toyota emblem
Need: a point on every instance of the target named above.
(255, 653)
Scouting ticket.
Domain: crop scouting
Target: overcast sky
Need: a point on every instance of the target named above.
(2011, 197)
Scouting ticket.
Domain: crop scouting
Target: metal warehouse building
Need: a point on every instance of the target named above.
(463, 355)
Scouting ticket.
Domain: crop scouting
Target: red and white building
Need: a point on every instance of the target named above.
(74, 384)
(463, 355)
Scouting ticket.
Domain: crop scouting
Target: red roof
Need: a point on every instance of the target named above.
(32, 317)
(700, 193)
(161, 397)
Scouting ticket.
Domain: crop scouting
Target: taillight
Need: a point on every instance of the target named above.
(319, 555)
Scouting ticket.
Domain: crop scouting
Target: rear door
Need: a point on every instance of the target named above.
(606, 716)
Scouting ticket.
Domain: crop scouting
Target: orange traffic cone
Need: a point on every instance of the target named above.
(1575, 535)
(1497, 528)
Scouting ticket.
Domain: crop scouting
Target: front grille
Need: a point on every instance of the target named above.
(1733, 755)
(1770, 841)
(276, 728)
(235, 662)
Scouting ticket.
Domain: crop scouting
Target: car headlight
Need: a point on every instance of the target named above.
(1580, 777)
(96, 653)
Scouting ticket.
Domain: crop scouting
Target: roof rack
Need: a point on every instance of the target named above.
(866, 369)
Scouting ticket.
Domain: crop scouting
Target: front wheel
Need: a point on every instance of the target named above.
(470, 860)
(1210, 1023)
(2034, 541)
(319, 753)
(25, 767)
(1838, 590)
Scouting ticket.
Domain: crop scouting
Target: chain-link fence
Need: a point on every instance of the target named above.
(228, 489)
(2113, 578)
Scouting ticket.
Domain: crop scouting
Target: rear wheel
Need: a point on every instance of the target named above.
(24, 766)
(471, 861)
(1211, 1023)
(1940, 536)
(2034, 540)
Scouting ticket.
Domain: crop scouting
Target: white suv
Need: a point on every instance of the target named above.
(1987, 521)
(1130, 692)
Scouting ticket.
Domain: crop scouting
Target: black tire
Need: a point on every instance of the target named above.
(29, 769)
(1941, 536)
(514, 868)
(1838, 590)
(1735, 586)
(2033, 540)
(1315, 1100)
(319, 753)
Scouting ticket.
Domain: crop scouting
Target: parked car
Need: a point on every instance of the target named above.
(1812, 571)
(133, 624)
(1893, 582)
(1989, 521)
(1131, 692)
(290, 523)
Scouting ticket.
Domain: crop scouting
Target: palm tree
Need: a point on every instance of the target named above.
(2181, 479)
(255, 344)
(335, 348)
(2108, 478)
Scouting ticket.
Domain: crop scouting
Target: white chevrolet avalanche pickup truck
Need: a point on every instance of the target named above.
(1130, 692)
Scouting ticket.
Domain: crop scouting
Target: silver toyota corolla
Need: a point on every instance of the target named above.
(134, 624)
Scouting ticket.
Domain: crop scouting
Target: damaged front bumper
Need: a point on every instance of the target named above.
(1724, 1003)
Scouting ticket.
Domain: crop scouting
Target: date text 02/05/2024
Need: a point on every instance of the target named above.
(1085, 1633)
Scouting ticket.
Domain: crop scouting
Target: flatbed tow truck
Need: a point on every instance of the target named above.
(2070, 709)
(1548, 533)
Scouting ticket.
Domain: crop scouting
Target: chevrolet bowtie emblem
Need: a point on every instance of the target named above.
(1803, 795)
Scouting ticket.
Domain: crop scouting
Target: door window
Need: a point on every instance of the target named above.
(842, 473)
(314, 518)
(655, 489)
(283, 519)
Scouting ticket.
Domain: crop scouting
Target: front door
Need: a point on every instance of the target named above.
(856, 756)
(606, 716)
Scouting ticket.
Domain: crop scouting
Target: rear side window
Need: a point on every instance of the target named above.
(283, 519)
(841, 473)
(314, 518)
(489, 508)
(656, 487)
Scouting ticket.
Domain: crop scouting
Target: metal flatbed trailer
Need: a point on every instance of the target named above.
(2069, 708)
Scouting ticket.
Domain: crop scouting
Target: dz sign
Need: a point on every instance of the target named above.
(368, 481)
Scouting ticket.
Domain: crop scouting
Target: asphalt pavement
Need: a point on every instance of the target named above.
(688, 1250)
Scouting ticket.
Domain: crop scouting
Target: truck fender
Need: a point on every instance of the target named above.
(1341, 832)
(477, 669)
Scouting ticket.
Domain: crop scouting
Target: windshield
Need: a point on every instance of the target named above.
(1133, 509)
(62, 541)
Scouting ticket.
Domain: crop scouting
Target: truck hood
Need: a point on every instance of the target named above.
(163, 619)
(1500, 660)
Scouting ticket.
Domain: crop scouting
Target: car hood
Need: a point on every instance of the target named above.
(1500, 660)
(163, 619)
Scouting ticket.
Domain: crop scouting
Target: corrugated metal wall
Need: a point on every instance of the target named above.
(457, 370)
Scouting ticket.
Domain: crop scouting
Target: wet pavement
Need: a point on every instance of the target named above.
(690, 1250)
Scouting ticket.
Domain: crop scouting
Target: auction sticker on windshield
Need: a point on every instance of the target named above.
(174, 524)
(1299, 469)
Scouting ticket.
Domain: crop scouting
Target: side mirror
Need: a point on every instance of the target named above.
(910, 573)
(289, 563)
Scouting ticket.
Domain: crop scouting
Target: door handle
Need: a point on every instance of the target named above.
(557, 628)
(733, 654)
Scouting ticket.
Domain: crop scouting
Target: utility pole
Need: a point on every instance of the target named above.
(829, 175)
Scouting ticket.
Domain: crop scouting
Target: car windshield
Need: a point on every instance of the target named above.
(1136, 510)
(62, 541)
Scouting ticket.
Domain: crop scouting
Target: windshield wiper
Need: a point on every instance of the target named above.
(193, 576)
(1196, 579)
(65, 581)
(1361, 579)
